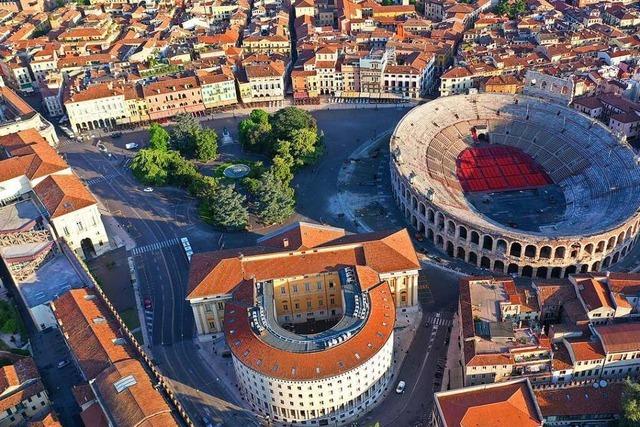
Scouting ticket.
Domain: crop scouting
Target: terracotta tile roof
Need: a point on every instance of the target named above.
(15, 101)
(506, 404)
(93, 416)
(583, 400)
(561, 358)
(14, 167)
(62, 194)
(259, 356)
(139, 404)
(625, 283)
(595, 294)
(49, 420)
(89, 332)
(18, 382)
(554, 293)
(216, 273)
(302, 235)
(621, 337)
(583, 349)
(83, 394)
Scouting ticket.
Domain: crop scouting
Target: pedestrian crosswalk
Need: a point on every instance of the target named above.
(438, 320)
(98, 179)
(155, 246)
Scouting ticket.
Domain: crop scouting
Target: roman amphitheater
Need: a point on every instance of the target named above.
(516, 185)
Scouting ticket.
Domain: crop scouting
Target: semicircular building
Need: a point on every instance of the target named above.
(308, 316)
(515, 184)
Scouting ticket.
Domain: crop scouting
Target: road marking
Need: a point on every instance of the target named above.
(436, 320)
(155, 246)
(98, 179)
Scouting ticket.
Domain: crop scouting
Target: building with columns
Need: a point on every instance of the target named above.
(308, 315)
(303, 261)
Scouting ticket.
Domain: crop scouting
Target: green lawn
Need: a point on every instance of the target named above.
(130, 318)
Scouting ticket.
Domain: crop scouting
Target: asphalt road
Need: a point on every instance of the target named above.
(151, 218)
(166, 214)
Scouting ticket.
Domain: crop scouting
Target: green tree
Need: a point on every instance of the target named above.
(158, 137)
(206, 145)
(255, 132)
(224, 207)
(182, 172)
(283, 162)
(276, 200)
(201, 185)
(183, 134)
(303, 146)
(152, 166)
(630, 405)
(287, 120)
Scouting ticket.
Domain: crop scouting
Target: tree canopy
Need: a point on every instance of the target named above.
(512, 9)
(152, 166)
(290, 119)
(158, 137)
(225, 207)
(206, 145)
(192, 140)
(630, 405)
(276, 199)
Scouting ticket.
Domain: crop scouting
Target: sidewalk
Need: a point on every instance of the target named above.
(453, 374)
(116, 233)
(221, 367)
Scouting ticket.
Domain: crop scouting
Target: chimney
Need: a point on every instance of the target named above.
(285, 242)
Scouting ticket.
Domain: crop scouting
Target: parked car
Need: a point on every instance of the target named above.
(148, 190)
(61, 364)
(131, 145)
(116, 135)
(67, 132)
(400, 388)
(147, 304)
(101, 147)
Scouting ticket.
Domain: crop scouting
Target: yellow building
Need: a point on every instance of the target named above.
(304, 265)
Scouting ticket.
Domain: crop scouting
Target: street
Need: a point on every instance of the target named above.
(156, 221)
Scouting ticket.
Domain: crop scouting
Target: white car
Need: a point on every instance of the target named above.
(148, 190)
(400, 388)
(101, 147)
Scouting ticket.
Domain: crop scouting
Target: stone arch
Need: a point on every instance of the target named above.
(530, 251)
(615, 258)
(542, 272)
(430, 234)
(485, 262)
(407, 195)
(439, 241)
(498, 266)
(431, 216)
(545, 252)
(461, 253)
(414, 221)
(620, 237)
(600, 247)
(451, 227)
(584, 268)
(487, 243)
(606, 262)
(595, 266)
(462, 232)
(570, 270)
(629, 231)
(527, 271)
(575, 250)
(516, 249)
(512, 269)
(589, 248)
(414, 202)
(501, 245)
(560, 252)
(611, 242)
(422, 209)
(473, 258)
(624, 251)
(421, 227)
(475, 237)
(450, 249)
(439, 221)
(556, 272)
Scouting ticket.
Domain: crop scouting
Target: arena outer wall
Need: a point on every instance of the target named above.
(432, 201)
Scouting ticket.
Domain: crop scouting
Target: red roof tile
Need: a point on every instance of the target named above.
(63, 194)
(621, 337)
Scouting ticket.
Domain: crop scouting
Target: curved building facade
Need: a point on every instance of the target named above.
(308, 315)
(575, 210)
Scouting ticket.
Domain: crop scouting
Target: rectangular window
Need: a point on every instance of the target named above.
(308, 305)
(295, 288)
(283, 290)
(307, 286)
(80, 226)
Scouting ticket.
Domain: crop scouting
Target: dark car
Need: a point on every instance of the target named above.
(147, 304)
(116, 135)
